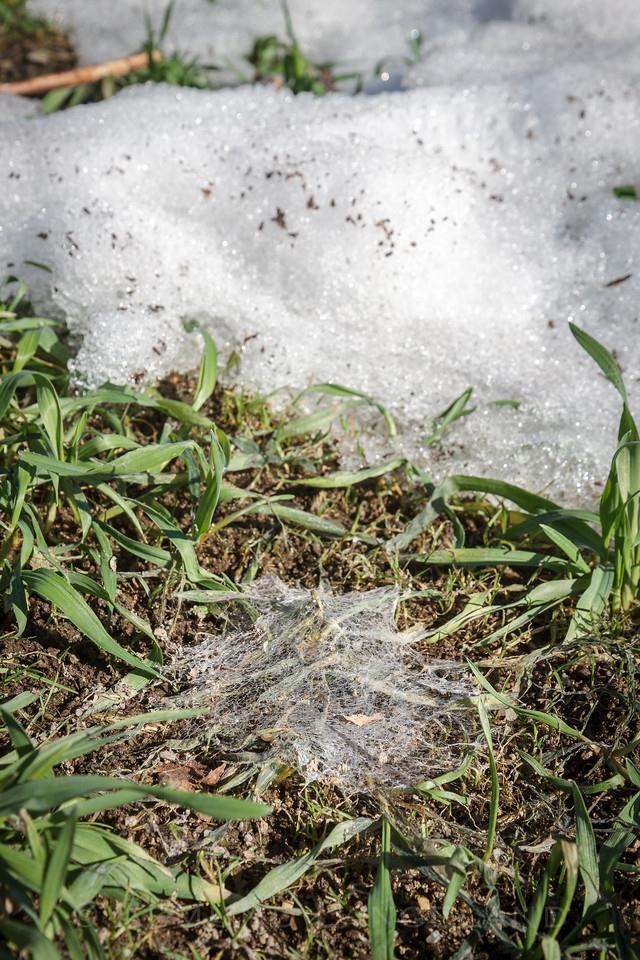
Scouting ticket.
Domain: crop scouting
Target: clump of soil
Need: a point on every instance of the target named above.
(32, 50)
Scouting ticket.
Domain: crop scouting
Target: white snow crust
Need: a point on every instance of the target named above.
(409, 244)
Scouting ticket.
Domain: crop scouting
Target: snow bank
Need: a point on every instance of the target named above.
(409, 244)
(357, 33)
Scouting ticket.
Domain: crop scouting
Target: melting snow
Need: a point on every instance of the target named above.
(408, 244)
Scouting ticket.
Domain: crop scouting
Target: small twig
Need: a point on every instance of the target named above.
(74, 78)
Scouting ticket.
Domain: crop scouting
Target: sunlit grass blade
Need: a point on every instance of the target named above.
(38, 796)
(180, 541)
(27, 347)
(208, 374)
(348, 478)
(336, 390)
(314, 423)
(211, 495)
(492, 557)
(602, 357)
(455, 411)
(531, 502)
(135, 465)
(50, 415)
(477, 608)
(592, 604)
(567, 547)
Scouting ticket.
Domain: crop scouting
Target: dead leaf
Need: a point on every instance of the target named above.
(424, 904)
(180, 776)
(361, 719)
(214, 776)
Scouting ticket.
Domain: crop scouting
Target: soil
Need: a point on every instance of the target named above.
(34, 52)
(324, 915)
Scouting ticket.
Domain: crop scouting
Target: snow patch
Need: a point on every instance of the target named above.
(408, 245)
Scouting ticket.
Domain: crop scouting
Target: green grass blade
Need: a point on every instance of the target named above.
(455, 411)
(348, 478)
(273, 507)
(611, 783)
(8, 387)
(536, 909)
(19, 702)
(531, 502)
(457, 866)
(592, 604)
(477, 607)
(138, 548)
(53, 587)
(208, 374)
(39, 796)
(548, 719)
(50, 414)
(382, 910)
(567, 547)
(491, 557)
(495, 786)
(183, 412)
(105, 443)
(211, 496)
(605, 360)
(56, 869)
(27, 348)
(573, 523)
(622, 836)
(336, 390)
(107, 570)
(571, 864)
(312, 423)
(18, 598)
(588, 864)
(147, 460)
(29, 939)
(285, 875)
(183, 544)
(436, 506)
(20, 740)
(550, 948)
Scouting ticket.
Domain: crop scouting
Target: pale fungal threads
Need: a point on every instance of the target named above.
(329, 684)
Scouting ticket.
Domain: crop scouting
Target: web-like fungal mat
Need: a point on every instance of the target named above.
(329, 684)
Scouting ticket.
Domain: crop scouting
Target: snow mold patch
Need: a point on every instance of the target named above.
(329, 685)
